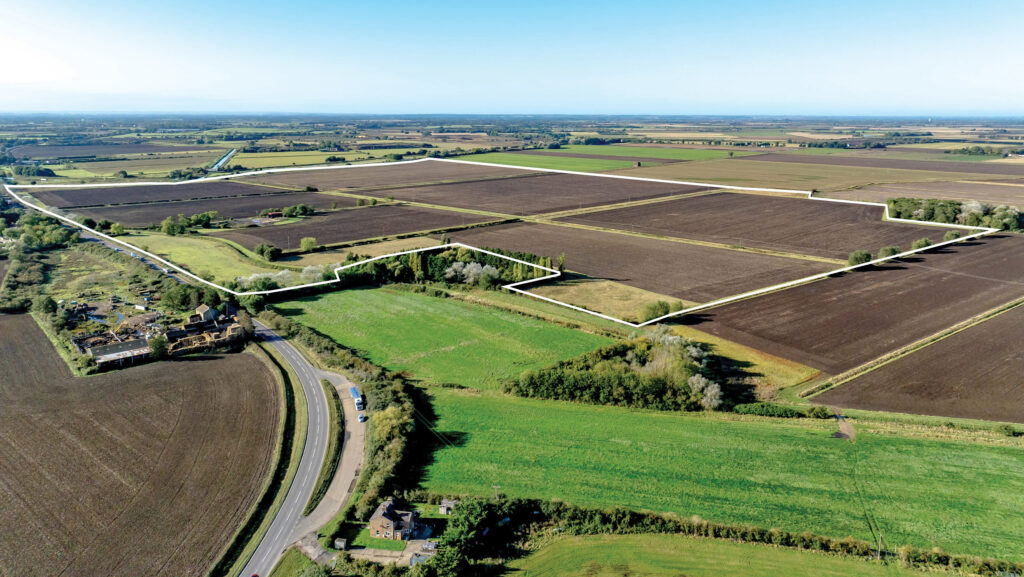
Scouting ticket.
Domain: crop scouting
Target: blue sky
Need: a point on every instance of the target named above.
(637, 57)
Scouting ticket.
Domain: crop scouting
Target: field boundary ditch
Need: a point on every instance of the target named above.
(516, 286)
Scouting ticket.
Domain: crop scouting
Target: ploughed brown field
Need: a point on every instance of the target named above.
(902, 163)
(351, 225)
(1009, 192)
(795, 225)
(538, 194)
(102, 196)
(146, 471)
(840, 323)
(684, 271)
(233, 207)
(44, 151)
(382, 175)
(974, 374)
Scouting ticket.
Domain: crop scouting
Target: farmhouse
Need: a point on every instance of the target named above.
(119, 354)
(390, 523)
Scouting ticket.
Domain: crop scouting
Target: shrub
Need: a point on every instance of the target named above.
(654, 310)
(768, 410)
(920, 243)
(951, 235)
(887, 251)
(819, 412)
(1007, 430)
(859, 257)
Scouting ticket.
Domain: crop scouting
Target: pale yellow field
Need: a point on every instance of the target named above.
(371, 250)
(604, 296)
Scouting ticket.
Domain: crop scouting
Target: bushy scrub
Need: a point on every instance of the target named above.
(663, 371)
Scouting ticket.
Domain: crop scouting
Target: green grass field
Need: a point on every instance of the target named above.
(552, 162)
(674, 555)
(439, 340)
(292, 564)
(964, 497)
(647, 152)
(204, 257)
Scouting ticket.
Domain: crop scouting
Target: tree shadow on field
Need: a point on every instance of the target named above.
(426, 441)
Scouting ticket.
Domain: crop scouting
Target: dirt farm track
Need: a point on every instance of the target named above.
(146, 471)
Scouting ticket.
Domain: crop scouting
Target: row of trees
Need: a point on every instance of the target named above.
(181, 225)
(291, 211)
(859, 257)
(971, 213)
(480, 530)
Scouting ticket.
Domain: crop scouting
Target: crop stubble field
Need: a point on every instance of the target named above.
(842, 322)
(685, 271)
(796, 225)
(350, 225)
(147, 471)
(975, 373)
(102, 150)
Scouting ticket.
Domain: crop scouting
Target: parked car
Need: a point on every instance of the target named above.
(362, 418)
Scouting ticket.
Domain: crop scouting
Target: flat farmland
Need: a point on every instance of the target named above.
(228, 207)
(102, 196)
(351, 225)
(72, 151)
(747, 171)
(610, 156)
(386, 174)
(538, 193)
(796, 225)
(890, 163)
(791, 474)
(975, 374)
(996, 193)
(440, 340)
(842, 322)
(146, 471)
(684, 271)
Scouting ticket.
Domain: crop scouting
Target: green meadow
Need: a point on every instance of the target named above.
(667, 153)
(674, 555)
(439, 340)
(551, 162)
(965, 497)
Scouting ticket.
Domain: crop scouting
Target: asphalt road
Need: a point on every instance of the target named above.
(279, 536)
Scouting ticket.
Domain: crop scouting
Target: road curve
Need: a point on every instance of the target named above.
(279, 535)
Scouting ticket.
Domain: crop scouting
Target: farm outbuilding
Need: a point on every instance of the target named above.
(119, 354)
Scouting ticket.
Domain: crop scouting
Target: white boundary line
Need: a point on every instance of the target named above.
(513, 287)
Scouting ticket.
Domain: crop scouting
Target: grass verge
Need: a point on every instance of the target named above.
(292, 563)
